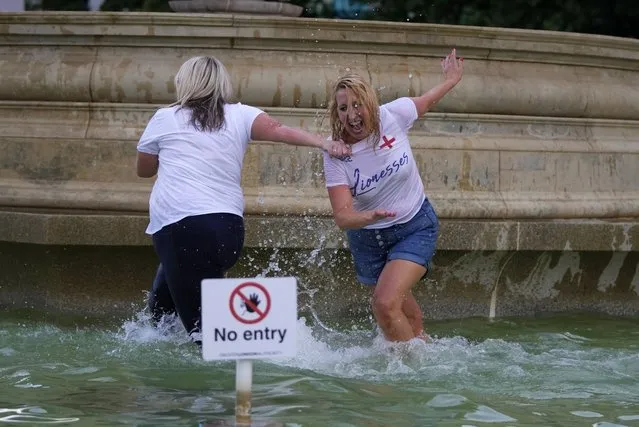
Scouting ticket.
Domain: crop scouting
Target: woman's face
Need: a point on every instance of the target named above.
(353, 115)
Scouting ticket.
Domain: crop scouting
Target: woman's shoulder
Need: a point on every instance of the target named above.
(401, 102)
(238, 107)
(167, 111)
(167, 118)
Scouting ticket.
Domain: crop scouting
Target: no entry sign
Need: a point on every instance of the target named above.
(250, 302)
(249, 318)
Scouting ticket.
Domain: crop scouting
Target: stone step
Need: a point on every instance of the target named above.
(103, 228)
(256, 7)
(299, 200)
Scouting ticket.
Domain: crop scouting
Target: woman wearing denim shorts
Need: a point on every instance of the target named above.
(377, 195)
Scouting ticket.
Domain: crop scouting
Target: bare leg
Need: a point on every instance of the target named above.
(393, 288)
(414, 314)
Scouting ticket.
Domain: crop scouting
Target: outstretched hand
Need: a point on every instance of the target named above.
(453, 67)
(337, 149)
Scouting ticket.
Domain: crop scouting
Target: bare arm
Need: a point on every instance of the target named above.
(344, 215)
(146, 164)
(453, 69)
(266, 128)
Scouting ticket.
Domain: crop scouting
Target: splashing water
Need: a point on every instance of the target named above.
(549, 371)
(556, 371)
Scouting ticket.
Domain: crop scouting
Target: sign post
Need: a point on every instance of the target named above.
(248, 319)
(243, 385)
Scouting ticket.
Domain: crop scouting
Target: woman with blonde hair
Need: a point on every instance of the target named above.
(196, 146)
(377, 195)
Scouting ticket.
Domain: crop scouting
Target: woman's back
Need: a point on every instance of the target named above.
(199, 171)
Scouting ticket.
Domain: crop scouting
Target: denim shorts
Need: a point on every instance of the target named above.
(414, 241)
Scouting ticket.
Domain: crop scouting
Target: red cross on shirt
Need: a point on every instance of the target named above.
(387, 142)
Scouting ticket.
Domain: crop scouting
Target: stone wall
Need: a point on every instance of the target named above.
(535, 152)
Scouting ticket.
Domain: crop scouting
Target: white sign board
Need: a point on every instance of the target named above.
(249, 318)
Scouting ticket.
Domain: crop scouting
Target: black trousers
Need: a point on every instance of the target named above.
(190, 250)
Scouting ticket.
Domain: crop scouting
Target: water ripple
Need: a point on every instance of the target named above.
(518, 374)
(31, 415)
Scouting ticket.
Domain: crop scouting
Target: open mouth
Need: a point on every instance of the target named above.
(357, 126)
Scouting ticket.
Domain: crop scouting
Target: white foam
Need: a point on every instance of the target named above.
(7, 351)
(360, 354)
(486, 414)
(607, 424)
(142, 330)
(586, 414)
(31, 415)
(446, 401)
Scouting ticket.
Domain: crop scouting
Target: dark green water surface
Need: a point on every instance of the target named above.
(549, 371)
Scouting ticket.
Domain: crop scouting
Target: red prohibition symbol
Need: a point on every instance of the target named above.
(250, 305)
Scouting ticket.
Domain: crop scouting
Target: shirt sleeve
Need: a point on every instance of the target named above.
(150, 140)
(404, 111)
(249, 114)
(334, 172)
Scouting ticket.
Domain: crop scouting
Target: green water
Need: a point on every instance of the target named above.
(550, 371)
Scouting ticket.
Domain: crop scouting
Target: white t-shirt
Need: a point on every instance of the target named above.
(386, 176)
(199, 172)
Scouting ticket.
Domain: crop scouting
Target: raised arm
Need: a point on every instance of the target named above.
(345, 216)
(453, 69)
(266, 128)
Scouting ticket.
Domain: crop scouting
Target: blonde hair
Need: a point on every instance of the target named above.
(366, 96)
(203, 86)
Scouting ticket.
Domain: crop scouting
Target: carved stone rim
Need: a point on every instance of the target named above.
(311, 112)
(257, 7)
(488, 40)
(57, 227)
